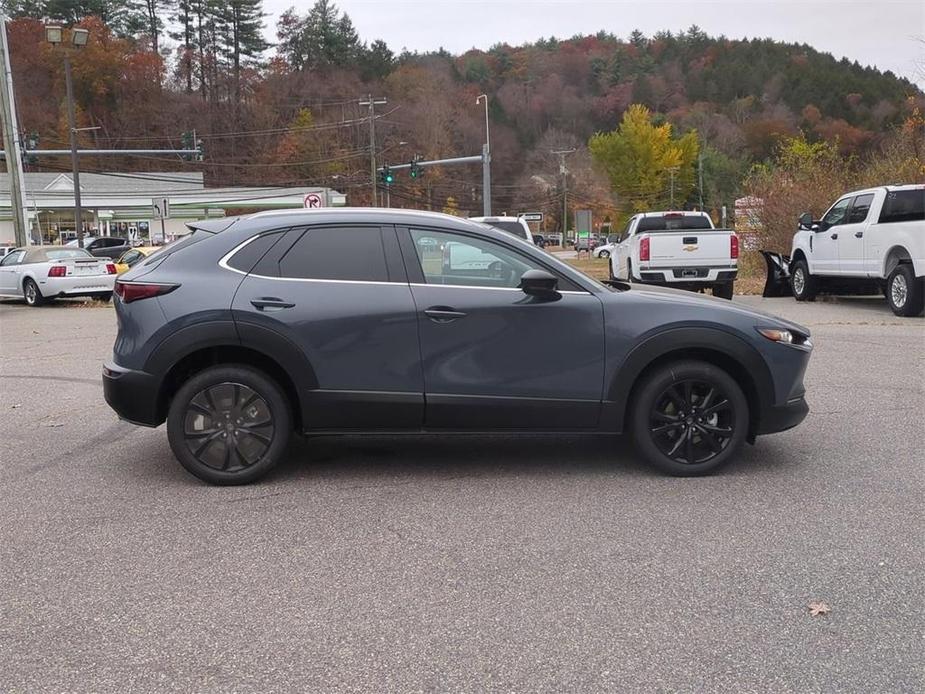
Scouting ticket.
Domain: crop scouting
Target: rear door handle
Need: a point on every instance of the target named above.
(443, 314)
(859, 234)
(270, 303)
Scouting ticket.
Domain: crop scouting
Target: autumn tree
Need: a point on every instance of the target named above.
(641, 159)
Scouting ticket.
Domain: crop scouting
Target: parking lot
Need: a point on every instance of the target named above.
(464, 563)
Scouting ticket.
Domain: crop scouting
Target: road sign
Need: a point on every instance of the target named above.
(583, 223)
(532, 216)
(313, 201)
(160, 208)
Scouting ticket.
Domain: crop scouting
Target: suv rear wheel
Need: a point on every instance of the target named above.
(229, 424)
(689, 418)
(905, 294)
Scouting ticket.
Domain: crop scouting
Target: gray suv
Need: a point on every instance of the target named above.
(370, 320)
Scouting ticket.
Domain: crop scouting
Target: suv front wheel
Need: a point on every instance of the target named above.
(229, 424)
(689, 418)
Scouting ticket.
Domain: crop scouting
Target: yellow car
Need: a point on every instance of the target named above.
(135, 255)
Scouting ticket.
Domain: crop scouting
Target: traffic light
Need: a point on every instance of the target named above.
(31, 142)
(385, 175)
(199, 148)
(416, 170)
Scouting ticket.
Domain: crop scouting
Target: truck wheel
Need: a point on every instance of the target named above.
(904, 293)
(723, 291)
(629, 270)
(803, 284)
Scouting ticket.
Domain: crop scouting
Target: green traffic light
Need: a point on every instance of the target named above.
(389, 178)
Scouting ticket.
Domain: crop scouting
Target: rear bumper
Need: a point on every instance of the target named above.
(132, 394)
(783, 417)
(694, 275)
(76, 286)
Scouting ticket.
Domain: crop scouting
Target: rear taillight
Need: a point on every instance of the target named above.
(57, 271)
(110, 268)
(733, 246)
(134, 291)
(644, 248)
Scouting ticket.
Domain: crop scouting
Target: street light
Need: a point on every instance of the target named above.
(486, 162)
(54, 34)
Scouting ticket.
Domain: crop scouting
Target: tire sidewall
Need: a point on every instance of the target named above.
(807, 294)
(25, 292)
(655, 384)
(914, 291)
(604, 254)
(264, 386)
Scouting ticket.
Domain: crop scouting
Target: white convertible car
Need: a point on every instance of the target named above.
(42, 273)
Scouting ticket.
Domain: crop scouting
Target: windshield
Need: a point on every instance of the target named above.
(688, 221)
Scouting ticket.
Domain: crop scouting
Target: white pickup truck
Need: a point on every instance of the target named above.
(869, 240)
(676, 249)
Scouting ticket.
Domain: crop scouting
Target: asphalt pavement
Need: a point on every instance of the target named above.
(464, 563)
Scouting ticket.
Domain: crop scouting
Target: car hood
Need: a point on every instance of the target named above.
(712, 304)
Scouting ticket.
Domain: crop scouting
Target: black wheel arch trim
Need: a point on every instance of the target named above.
(686, 342)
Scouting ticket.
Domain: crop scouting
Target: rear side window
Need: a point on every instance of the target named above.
(248, 256)
(860, 208)
(337, 253)
(698, 221)
(903, 206)
(515, 228)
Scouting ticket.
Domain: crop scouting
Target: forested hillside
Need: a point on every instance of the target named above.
(289, 113)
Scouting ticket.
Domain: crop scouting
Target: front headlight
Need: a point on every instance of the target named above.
(777, 335)
(786, 337)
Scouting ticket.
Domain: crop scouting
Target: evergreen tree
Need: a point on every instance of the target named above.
(323, 38)
(241, 23)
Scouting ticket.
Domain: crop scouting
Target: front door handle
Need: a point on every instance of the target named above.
(443, 314)
(859, 234)
(834, 236)
(270, 303)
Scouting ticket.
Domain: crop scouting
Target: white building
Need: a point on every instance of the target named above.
(120, 204)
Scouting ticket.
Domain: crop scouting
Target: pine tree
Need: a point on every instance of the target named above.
(323, 38)
(241, 22)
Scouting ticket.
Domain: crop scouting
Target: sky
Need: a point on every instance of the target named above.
(888, 34)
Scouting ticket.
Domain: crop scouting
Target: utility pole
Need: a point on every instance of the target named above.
(75, 162)
(700, 177)
(11, 141)
(564, 171)
(372, 103)
(486, 163)
(671, 172)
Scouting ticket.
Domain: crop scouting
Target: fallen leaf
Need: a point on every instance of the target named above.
(54, 424)
(819, 608)
(18, 404)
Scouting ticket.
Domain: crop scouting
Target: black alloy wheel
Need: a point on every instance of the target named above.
(229, 424)
(689, 418)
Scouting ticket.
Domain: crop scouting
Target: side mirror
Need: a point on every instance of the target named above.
(806, 221)
(539, 283)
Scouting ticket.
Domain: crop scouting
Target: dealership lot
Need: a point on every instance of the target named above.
(464, 563)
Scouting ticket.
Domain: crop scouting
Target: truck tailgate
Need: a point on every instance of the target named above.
(694, 247)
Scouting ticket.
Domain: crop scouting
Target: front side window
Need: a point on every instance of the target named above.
(456, 259)
(837, 214)
(345, 253)
(12, 258)
(860, 208)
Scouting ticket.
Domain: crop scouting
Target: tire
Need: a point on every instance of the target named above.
(209, 431)
(904, 293)
(803, 284)
(31, 293)
(723, 290)
(603, 254)
(662, 435)
(629, 271)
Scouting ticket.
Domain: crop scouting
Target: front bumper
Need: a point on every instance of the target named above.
(132, 394)
(783, 417)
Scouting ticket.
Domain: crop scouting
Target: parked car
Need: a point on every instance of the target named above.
(604, 250)
(585, 243)
(40, 274)
(869, 240)
(5, 249)
(677, 249)
(251, 328)
(512, 225)
(103, 246)
(540, 240)
(135, 255)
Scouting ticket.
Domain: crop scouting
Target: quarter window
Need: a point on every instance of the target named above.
(337, 253)
(860, 208)
(455, 259)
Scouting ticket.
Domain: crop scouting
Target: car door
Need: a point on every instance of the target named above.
(851, 236)
(9, 272)
(340, 294)
(825, 239)
(493, 357)
(622, 252)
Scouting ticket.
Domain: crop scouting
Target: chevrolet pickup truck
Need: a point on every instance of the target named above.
(676, 249)
(869, 240)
